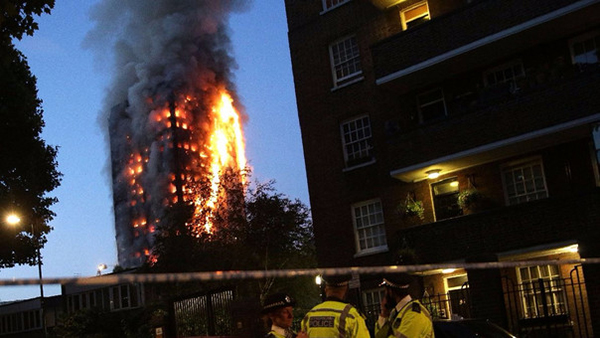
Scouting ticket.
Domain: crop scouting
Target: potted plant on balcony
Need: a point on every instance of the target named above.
(412, 208)
(470, 199)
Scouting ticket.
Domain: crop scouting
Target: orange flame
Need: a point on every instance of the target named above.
(226, 148)
(207, 145)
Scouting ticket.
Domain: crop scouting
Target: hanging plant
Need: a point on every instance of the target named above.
(468, 198)
(410, 207)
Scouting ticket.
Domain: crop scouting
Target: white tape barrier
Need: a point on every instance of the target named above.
(111, 279)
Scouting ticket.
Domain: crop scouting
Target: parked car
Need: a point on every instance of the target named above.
(469, 328)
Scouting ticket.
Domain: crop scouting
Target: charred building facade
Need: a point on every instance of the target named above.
(172, 116)
(146, 174)
(179, 155)
(457, 131)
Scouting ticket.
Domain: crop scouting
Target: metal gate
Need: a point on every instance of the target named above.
(539, 307)
(548, 307)
(204, 315)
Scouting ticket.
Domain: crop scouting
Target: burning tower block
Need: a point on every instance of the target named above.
(178, 156)
(172, 125)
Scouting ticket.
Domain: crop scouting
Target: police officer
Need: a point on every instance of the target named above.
(278, 308)
(334, 317)
(402, 316)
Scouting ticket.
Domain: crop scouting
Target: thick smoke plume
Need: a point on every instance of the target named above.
(167, 54)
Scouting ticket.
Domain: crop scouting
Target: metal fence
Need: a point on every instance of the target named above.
(204, 315)
(548, 307)
(541, 306)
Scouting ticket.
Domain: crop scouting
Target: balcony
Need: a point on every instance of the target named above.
(475, 35)
(550, 220)
(495, 124)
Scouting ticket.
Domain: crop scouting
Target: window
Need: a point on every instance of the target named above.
(458, 291)
(584, 48)
(445, 199)
(345, 61)
(507, 74)
(115, 300)
(329, 4)
(369, 227)
(431, 105)
(357, 141)
(372, 301)
(524, 182)
(539, 282)
(125, 296)
(76, 302)
(414, 15)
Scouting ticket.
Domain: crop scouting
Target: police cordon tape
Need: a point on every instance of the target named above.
(208, 276)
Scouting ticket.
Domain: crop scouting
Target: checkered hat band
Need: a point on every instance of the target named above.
(278, 304)
(394, 285)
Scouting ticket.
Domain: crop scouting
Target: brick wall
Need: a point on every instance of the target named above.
(471, 23)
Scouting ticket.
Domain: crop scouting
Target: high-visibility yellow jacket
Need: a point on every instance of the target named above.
(278, 332)
(333, 318)
(274, 334)
(412, 321)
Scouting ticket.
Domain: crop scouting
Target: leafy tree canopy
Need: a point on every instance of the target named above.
(260, 229)
(17, 16)
(28, 166)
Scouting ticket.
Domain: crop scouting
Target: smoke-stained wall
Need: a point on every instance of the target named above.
(172, 59)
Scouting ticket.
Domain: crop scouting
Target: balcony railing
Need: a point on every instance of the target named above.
(549, 220)
(542, 101)
(484, 21)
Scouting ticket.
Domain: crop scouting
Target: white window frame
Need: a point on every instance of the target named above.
(435, 197)
(372, 299)
(421, 105)
(502, 69)
(453, 288)
(529, 291)
(369, 222)
(594, 36)
(351, 57)
(408, 9)
(115, 295)
(359, 137)
(331, 4)
(529, 193)
(448, 306)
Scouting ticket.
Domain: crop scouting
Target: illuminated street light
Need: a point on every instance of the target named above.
(101, 267)
(14, 219)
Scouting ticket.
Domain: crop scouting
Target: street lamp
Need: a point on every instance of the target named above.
(14, 219)
(101, 267)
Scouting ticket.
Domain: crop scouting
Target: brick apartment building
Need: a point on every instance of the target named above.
(501, 100)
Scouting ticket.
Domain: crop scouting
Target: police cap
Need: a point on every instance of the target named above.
(277, 301)
(397, 281)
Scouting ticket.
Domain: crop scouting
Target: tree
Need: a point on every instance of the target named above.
(28, 166)
(260, 229)
(279, 231)
(16, 16)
